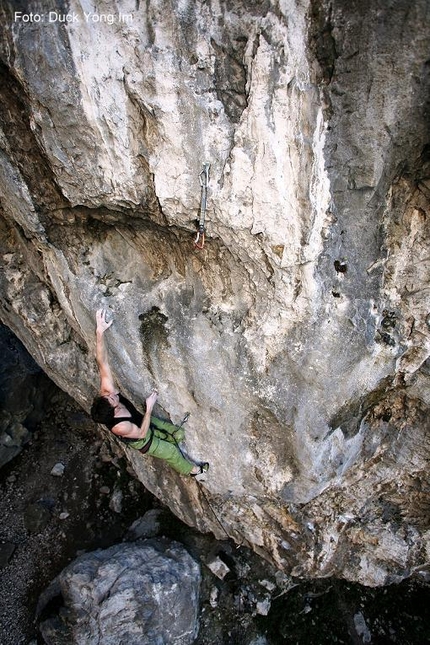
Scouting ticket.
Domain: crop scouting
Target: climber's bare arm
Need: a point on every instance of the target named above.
(131, 430)
(107, 384)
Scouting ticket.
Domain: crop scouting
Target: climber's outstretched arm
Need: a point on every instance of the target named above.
(107, 384)
(150, 402)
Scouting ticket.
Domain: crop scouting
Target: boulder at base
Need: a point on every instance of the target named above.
(145, 593)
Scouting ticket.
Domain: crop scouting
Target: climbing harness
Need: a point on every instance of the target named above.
(199, 242)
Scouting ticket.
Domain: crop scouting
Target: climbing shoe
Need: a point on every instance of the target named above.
(204, 467)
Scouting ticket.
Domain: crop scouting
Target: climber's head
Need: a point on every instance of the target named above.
(103, 409)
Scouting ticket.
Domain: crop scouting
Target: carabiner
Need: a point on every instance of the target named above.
(199, 242)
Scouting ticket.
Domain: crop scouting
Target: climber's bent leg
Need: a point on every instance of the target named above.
(171, 454)
(174, 433)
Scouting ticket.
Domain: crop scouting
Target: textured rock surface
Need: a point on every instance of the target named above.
(299, 337)
(133, 593)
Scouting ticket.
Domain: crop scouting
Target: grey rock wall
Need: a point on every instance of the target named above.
(298, 338)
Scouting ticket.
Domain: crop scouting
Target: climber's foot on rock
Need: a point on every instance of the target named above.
(200, 469)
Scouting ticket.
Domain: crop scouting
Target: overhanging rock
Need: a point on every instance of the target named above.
(298, 338)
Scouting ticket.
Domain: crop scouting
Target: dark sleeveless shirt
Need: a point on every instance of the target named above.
(136, 418)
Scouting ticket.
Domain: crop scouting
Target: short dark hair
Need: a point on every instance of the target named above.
(102, 411)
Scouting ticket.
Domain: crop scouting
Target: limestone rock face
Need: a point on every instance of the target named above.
(298, 338)
(143, 593)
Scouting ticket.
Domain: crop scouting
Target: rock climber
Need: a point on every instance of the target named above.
(144, 432)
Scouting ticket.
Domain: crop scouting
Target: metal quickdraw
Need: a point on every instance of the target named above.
(199, 242)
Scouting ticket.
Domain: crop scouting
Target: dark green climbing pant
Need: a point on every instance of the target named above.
(165, 437)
